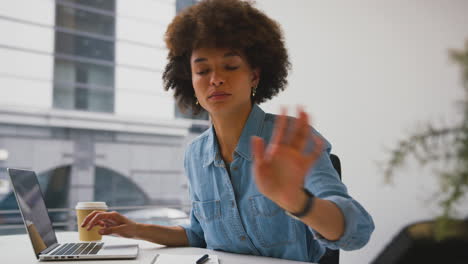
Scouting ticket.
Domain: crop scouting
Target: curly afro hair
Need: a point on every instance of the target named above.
(233, 24)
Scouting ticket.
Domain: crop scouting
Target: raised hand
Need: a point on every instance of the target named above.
(280, 168)
(111, 223)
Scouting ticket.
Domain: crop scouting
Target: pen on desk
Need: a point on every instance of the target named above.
(203, 259)
(154, 259)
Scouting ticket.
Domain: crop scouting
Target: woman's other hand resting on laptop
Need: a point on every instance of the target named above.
(113, 223)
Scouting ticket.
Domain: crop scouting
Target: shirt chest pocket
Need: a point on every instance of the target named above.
(272, 226)
(209, 214)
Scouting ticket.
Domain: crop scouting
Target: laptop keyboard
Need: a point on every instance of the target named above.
(69, 249)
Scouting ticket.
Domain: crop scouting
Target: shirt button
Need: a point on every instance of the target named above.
(242, 238)
(235, 168)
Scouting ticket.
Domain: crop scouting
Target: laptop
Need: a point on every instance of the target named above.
(39, 226)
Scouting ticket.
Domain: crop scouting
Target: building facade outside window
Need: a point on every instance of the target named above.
(84, 63)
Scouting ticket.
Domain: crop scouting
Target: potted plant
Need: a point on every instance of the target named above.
(445, 239)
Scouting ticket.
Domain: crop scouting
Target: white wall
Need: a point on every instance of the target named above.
(36, 11)
(370, 73)
(26, 77)
(140, 33)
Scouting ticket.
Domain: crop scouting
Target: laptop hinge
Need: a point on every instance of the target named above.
(49, 249)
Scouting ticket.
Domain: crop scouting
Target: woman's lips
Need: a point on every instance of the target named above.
(217, 97)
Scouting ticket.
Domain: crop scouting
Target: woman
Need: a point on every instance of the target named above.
(260, 184)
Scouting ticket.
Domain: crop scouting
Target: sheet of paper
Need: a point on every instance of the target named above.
(184, 259)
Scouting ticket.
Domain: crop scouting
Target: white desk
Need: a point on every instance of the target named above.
(18, 249)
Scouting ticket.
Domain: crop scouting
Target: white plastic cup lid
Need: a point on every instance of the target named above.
(91, 205)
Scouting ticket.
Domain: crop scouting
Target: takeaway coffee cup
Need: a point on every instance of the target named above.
(82, 210)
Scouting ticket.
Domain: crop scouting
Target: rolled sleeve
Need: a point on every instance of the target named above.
(358, 225)
(324, 182)
(194, 232)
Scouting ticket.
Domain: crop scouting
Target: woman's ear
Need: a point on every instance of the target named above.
(256, 76)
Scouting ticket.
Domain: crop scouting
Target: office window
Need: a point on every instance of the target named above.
(117, 189)
(83, 98)
(83, 86)
(84, 66)
(85, 21)
(108, 5)
(88, 47)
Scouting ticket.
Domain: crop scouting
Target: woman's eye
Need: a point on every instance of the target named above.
(202, 72)
(232, 68)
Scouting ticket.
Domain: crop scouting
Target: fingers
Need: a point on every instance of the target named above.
(110, 222)
(89, 217)
(96, 217)
(105, 231)
(101, 223)
(297, 139)
(107, 223)
(317, 150)
(280, 128)
(124, 230)
(258, 151)
(258, 148)
(111, 230)
(300, 134)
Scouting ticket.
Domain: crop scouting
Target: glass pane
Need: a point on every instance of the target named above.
(81, 20)
(108, 5)
(101, 101)
(66, 71)
(116, 189)
(67, 43)
(64, 97)
(82, 98)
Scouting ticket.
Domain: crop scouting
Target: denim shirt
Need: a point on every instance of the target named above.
(230, 214)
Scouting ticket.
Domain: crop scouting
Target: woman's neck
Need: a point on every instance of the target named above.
(229, 129)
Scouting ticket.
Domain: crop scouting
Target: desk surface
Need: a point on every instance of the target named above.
(18, 249)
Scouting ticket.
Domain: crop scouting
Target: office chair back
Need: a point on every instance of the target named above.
(333, 256)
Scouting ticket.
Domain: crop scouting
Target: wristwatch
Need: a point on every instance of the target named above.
(307, 208)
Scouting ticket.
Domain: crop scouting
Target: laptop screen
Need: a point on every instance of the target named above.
(33, 209)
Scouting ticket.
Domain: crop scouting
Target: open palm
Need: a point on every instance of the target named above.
(280, 168)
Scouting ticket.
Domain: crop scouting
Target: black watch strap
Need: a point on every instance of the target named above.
(307, 207)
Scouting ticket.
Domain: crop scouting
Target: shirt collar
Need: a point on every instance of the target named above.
(251, 128)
